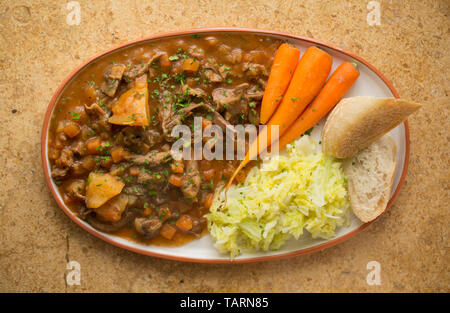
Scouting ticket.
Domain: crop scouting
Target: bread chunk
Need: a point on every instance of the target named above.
(356, 122)
(370, 175)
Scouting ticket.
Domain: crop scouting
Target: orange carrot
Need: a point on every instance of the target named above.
(337, 85)
(176, 180)
(309, 77)
(184, 223)
(167, 231)
(281, 72)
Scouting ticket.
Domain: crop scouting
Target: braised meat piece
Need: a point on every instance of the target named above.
(148, 227)
(191, 180)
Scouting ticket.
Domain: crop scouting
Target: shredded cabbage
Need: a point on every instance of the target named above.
(287, 193)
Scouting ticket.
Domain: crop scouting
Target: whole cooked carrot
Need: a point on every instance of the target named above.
(335, 88)
(281, 72)
(308, 79)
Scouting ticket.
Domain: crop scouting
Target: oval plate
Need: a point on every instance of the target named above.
(370, 83)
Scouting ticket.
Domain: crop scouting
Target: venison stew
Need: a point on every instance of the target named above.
(111, 131)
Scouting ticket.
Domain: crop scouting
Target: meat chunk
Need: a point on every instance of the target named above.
(113, 77)
(109, 87)
(194, 92)
(150, 159)
(65, 159)
(253, 116)
(76, 188)
(116, 72)
(136, 190)
(59, 172)
(223, 97)
(153, 137)
(94, 108)
(192, 180)
(254, 93)
(134, 138)
(212, 76)
(254, 70)
(170, 118)
(148, 227)
(141, 68)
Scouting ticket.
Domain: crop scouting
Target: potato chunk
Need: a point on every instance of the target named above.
(112, 210)
(101, 188)
(132, 107)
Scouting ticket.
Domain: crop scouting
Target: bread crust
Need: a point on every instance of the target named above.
(357, 122)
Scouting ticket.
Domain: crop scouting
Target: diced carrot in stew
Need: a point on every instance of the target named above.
(117, 154)
(184, 223)
(147, 210)
(208, 201)
(72, 129)
(93, 145)
(167, 231)
(191, 65)
(164, 61)
(176, 180)
(164, 214)
(177, 167)
(206, 123)
(134, 171)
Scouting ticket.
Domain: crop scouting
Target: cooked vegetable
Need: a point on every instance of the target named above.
(93, 144)
(167, 231)
(176, 180)
(281, 72)
(112, 210)
(164, 214)
(335, 88)
(101, 187)
(191, 65)
(132, 106)
(303, 189)
(72, 129)
(308, 79)
(208, 201)
(117, 154)
(184, 223)
(177, 166)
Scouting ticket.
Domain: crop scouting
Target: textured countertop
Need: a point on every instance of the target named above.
(38, 49)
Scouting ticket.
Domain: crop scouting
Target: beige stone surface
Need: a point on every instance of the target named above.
(38, 49)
